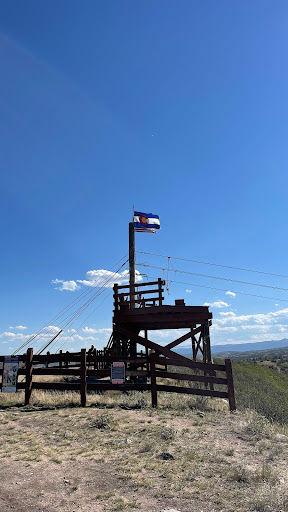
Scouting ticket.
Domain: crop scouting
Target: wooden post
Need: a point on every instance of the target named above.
(147, 350)
(116, 298)
(83, 374)
(94, 359)
(160, 291)
(60, 363)
(193, 348)
(230, 385)
(208, 347)
(29, 370)
(207, 340)
(132, 264)
(153, 379)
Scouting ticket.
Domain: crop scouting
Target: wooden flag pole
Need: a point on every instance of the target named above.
(132, 264)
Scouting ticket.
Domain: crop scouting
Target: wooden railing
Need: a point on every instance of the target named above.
(140, 297)
(153, 367)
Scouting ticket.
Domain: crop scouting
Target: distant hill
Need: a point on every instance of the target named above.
(243, 347)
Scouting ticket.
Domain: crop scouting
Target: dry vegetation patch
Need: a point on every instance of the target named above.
(188, 455)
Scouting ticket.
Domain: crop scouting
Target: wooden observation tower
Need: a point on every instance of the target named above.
(138, 308)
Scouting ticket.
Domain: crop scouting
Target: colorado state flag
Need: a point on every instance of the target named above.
(146, 222)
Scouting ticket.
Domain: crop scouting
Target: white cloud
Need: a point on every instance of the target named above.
(71, 286)
(51, 328)
(216, 327)
(259, 328)
(98, 278)
(259, 318)
(20, 327)
(231, 294)
(107, 279)
(227, 313)
(89, 329)
(217, 304)
(188, 291)
(14, 336)
(104, 330)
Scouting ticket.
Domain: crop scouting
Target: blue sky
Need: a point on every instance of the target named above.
(179, 108)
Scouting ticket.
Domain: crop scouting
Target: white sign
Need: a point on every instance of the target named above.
(118, 372)
(10, 374)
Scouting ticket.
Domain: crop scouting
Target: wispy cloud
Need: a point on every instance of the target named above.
(20, 327)
(217, 304)
(231, 294)
(71, 286)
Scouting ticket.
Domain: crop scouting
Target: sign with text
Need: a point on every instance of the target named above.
(118, 372)
(10, 374)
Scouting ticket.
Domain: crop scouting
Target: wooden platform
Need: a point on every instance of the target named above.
(163, 317)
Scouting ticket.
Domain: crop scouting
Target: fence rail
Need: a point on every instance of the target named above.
(153, 367)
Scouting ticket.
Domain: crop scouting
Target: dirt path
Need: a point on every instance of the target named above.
(48, 487)
(97, 460)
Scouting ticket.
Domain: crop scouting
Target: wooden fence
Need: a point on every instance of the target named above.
(153, 367)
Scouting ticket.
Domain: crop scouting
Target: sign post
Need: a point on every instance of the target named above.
(10, 374)
(118, 372)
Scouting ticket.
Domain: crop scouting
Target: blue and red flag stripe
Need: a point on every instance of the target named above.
(146, 221)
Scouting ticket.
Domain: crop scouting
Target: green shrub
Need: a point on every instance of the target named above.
(261, 389)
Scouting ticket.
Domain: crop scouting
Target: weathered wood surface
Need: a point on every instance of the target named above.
(188, 363)
(29, 369)
(83, 377)
(163, 317)
(168, 359)
(231, 395)
(149, 283)
(153, 380)
(192, 391)
(186, 336)
(189, 377)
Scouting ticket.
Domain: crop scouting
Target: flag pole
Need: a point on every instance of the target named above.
(132, 264)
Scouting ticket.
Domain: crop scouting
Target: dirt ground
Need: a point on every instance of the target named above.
(165, 460)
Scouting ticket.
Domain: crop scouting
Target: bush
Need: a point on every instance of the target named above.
(261, 389)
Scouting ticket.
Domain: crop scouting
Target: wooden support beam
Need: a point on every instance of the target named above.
(192, 391)
(190, 378)
(186, 336)
(230, 385)
(153, 379)
(150, 344)
(180, 340)
(29, 370)
(141, 284)
(83, 375)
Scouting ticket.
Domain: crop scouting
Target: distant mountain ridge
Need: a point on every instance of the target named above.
(241, 347)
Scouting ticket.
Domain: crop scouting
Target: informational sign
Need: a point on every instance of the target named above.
(118, 372)
(10, 374)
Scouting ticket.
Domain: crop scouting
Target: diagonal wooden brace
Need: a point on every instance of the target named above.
(186, 336)
(150, 344)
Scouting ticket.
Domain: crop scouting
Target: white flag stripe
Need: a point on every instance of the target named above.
(151, 220)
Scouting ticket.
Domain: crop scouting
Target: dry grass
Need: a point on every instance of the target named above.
(231, 459)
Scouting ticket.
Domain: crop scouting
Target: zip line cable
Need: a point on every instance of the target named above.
(75, 315)
(73, 334)
(79, 312)
(222, 289)
(213, 264)
(215, 277)
(63, 311)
